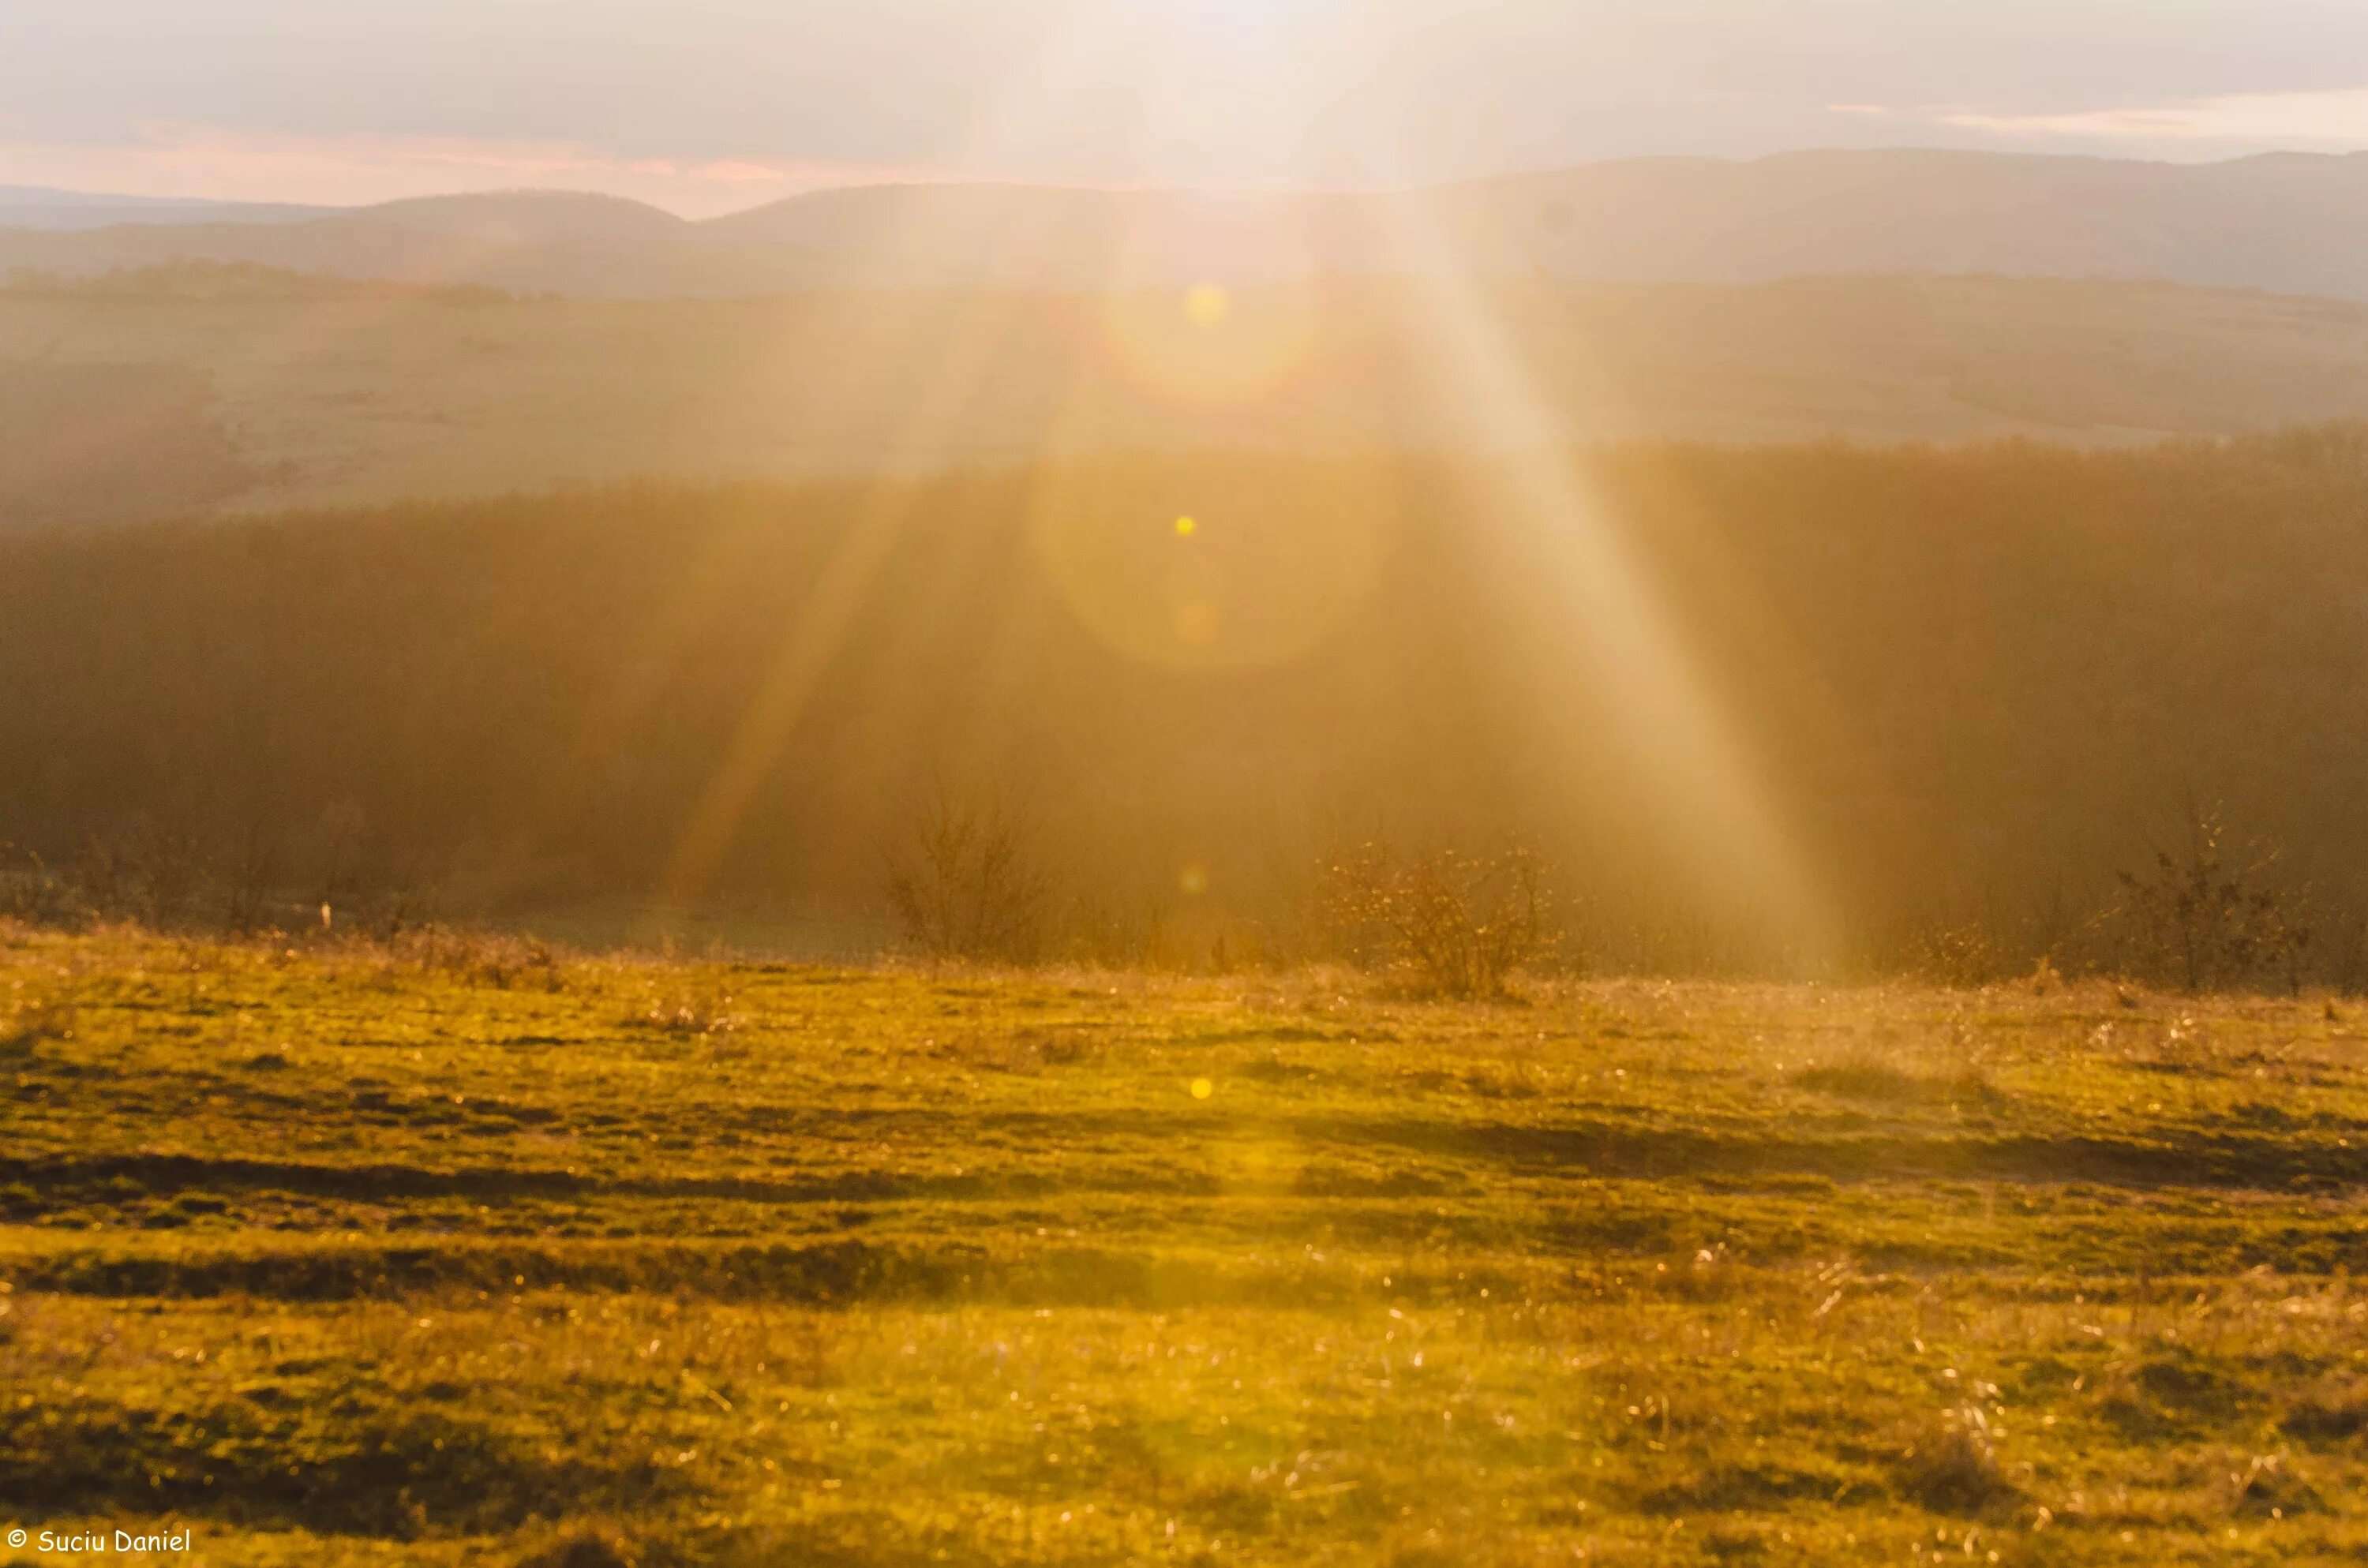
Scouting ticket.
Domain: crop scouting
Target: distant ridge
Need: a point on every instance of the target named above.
(37, 206)
(2285, 223)
(46, 195)
(528, 216)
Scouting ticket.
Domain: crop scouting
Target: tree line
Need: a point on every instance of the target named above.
(1989, 691)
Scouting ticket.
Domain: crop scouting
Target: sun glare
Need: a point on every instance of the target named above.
(1207, 304)
(1210, 347)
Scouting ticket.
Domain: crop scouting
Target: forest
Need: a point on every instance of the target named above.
(1979, 690)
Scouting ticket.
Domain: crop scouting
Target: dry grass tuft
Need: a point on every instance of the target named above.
(689, 1012)
(1954, 1468)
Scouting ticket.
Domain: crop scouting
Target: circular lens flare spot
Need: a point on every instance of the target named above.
(1209, 348)
(1207, 304)
(1130, 546)
(1194, 881)
(1202, 1088)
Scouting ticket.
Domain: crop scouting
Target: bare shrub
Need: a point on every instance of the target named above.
(2195, 923)
(243, 877)
(1449, 923)
(148, 873)
(492, 959)
(33, 893)
(965, 883)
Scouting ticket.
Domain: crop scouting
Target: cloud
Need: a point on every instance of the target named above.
(221, 164)
(2335, 120)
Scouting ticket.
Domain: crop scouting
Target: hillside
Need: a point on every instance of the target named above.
(528, 702)
(273, 390)
(2290, 222)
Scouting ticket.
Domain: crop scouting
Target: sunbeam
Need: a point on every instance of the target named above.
(813, 637)
(1590, 631)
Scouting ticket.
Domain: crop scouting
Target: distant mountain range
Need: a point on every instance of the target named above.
(37, 207)
(2287, 222)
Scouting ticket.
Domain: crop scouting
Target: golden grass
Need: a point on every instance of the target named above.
(349, 1254)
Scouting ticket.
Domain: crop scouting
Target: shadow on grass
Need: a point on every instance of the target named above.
(367, 1463)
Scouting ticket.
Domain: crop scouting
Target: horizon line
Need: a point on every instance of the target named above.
(99, 199)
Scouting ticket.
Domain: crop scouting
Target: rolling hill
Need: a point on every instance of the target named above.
(2287, 222)
(200, 387)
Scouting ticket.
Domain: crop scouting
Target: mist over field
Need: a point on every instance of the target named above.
(1091, 785)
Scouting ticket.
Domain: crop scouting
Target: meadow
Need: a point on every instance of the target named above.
(452, 1249)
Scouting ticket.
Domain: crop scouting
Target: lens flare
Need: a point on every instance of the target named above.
(1301, 547)
(1208, 347)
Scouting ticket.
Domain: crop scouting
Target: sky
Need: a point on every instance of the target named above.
(708, 106)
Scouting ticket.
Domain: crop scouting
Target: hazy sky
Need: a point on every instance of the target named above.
(707, 105)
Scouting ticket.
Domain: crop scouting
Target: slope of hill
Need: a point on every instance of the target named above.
(534, 697)
(528, 217)
(301, 390)
(2293, 223)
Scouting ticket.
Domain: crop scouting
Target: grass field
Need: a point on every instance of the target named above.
(457, 1252)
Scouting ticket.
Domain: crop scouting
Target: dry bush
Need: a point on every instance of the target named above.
(1448, 923)
(965, 884)
(2195, 923)
(151, 873)
(168, 879)
(475, 958)
(32, 891)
